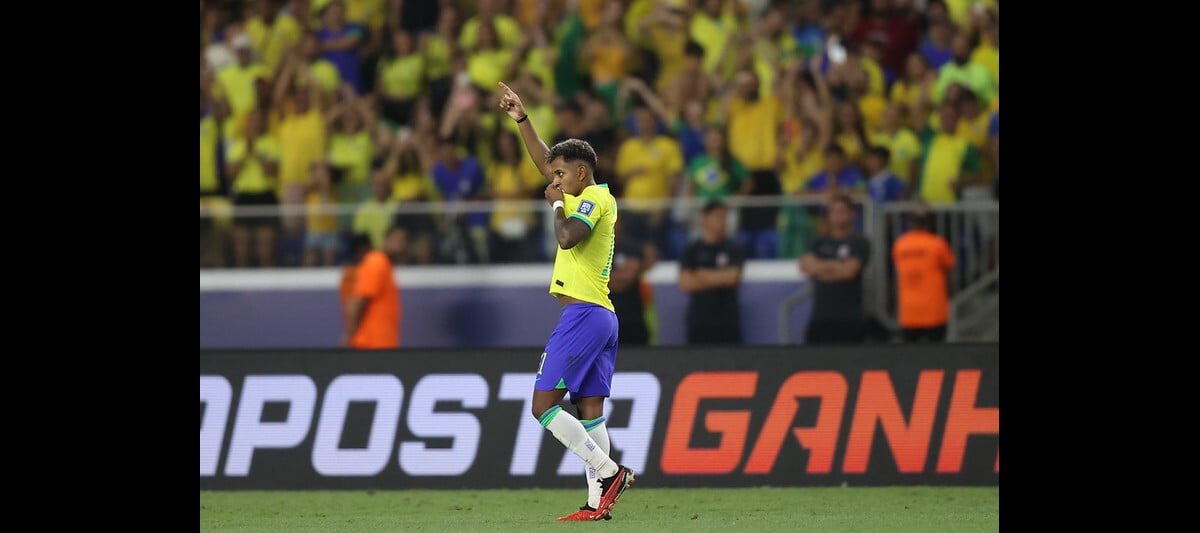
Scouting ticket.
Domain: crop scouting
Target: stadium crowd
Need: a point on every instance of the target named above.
(320, 119)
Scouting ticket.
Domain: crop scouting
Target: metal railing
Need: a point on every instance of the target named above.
(971, 227)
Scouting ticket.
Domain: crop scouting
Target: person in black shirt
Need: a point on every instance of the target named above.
(834, 265)
(710, 271)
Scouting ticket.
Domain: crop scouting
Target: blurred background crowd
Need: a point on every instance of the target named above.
(320, 119)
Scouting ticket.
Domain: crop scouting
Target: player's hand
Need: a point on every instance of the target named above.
(553, 193)
(511, 103)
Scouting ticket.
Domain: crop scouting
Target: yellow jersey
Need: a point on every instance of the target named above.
(403, 76)
(353, 153)
(273, 41)
(752, 131)
(583, 271)
(662, 159)
(798, 168)
(319, 219)
(302, 140)
(209, 177)
(252, 178)
(903, 147)
(235, 84)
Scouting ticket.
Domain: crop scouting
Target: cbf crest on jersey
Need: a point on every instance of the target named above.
(586, 207)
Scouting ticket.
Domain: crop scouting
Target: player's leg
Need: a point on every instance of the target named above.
(594, 386)
(567, 358)
(590, 411)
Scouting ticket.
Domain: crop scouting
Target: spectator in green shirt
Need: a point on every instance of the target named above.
(962, 70)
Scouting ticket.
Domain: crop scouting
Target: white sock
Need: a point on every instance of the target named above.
(570, 432)
(598, 431)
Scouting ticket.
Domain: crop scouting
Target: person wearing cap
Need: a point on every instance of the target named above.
(236, 82)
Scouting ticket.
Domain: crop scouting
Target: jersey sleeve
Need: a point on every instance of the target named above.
(591, 207)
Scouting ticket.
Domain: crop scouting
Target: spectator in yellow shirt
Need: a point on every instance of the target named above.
(987, 52)
(252, 161)
(904, 148)
(753, 131)
(302, 140)
(400, 80)
(236, 83)
(351, 148)
(649, 165)
(609, 55)
(490, 12)
(273, 30)
(949, 162)
(914, 90)
(488, 59)
(321, 232)
(440, 51)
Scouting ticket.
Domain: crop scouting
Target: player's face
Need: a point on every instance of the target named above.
(568, 175)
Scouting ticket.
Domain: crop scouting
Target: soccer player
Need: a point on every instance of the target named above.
(582, 350)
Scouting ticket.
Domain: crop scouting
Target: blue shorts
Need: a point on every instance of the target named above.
(581, 353)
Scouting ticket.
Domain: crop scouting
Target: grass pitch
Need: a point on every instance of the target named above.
(823, 509)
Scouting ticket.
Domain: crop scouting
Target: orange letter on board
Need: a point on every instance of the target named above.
(821, 440)
(965, 420)
(909, 441)
(678, 457)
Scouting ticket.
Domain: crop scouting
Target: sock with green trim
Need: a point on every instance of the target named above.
(569, 431)
(598, 431)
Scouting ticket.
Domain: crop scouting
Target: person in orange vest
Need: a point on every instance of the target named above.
(371, 304)
(922, 259)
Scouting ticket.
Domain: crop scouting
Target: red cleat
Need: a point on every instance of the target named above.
(585, 514)
(611, 490)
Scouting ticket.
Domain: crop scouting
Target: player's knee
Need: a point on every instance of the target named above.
(538, 411)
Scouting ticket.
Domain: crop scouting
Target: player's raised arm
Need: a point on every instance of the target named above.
(511, 104)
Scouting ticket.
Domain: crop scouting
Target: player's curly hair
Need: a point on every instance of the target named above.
(574, 150)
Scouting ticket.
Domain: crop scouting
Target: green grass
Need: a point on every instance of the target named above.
(824, 509)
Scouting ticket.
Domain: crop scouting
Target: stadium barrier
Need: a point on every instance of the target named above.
(461, 305)
(881, 415)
